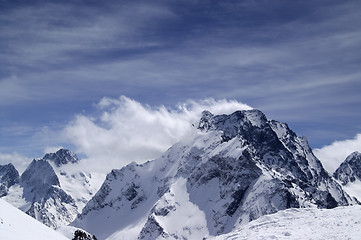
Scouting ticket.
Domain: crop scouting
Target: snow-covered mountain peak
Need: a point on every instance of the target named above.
(250, 125)
(251, 117)
(52, 190)
(231, 170)
(62, 157)
(42, 196)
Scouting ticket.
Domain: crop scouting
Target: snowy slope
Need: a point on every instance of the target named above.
(231, 170)
(80, 185)
(16, 225)
(40, 195)
(302, 224)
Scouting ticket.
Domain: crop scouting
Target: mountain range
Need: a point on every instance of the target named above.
(51, 189)
(228, 172)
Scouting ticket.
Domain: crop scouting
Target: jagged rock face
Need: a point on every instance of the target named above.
(50, 189)
(37, 179)
(350, 169)
(233, 169)
(54, 210)
(8, 177)
(61, 157)
(48, 202)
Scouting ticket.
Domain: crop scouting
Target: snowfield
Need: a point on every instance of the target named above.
(16, 225)
(302, 223)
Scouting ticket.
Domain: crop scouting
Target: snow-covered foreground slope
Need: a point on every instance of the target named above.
(302, 224)
(16, 225)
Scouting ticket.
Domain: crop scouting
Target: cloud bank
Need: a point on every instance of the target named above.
(333, 155)
(125, 130)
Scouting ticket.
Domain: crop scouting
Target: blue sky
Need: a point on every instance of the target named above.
(297, 61)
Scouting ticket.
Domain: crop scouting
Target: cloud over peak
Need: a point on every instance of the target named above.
(125, 130)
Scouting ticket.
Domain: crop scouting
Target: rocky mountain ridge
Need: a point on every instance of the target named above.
(42, 191)
(231, 170)
(350, 169)
(62, 157)
(348, 174)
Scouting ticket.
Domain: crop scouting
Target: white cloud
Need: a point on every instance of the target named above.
(333, 155)
(128, 131)
(20, 162)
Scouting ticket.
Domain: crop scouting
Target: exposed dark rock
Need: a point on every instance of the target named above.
(8, 177)
(238, 166)
(350, 169)
(61, 157)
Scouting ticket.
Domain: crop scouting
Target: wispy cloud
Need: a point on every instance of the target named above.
(296, 61)
(45, 45)
(124, 45)
(127, 131)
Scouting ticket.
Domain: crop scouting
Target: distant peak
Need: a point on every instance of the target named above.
(350, 169)
(62, 157)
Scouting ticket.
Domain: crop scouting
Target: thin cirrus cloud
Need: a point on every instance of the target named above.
(298, 62)
(51, 36)
(128, 47)
(127, 131)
